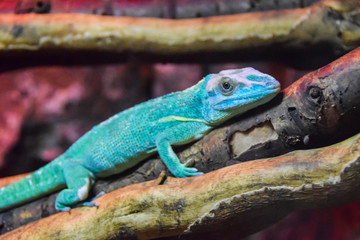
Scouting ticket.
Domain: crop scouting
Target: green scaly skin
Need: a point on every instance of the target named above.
(132, 135)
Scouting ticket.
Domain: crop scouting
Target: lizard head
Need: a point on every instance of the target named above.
(232, 92)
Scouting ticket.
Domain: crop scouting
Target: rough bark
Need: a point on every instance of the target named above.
(299, 118)
(227, 203)
(329, 26)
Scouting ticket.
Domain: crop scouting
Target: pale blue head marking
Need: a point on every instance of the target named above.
(231, 92)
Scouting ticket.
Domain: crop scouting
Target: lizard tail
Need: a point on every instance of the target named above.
(39, 183)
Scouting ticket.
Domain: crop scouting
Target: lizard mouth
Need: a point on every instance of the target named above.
(246, 99)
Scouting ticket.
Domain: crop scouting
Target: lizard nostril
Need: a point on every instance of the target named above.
(269, 84)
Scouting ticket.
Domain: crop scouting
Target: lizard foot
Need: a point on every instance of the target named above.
(62, 208)
(183, 171)
(90, 204)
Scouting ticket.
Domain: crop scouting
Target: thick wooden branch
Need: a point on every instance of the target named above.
(227, 203)
(329, 23)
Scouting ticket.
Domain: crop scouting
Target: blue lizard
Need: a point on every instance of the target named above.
(130, 136)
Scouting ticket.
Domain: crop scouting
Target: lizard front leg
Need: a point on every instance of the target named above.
(172, 161)
(178, 134)
(78, 180)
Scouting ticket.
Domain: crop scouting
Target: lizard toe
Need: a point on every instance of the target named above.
(195, 174)
(98, 195)
(90, 204)
(190, 170)
(189, 161)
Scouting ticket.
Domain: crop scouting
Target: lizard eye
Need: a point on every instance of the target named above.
(226, 86)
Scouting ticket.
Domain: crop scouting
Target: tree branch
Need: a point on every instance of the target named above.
(233, 201)
(148, 8)
(328, 24)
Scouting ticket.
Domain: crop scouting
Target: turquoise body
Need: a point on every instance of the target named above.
(130, 136)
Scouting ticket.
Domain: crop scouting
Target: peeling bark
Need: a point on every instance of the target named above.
(274, 129)
(329, 26)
